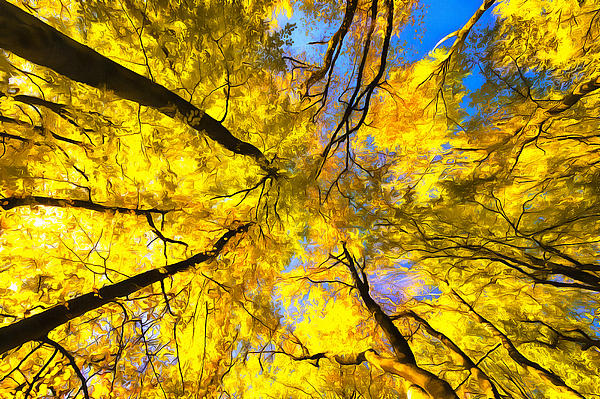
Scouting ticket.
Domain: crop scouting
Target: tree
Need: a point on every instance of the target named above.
(190, 210)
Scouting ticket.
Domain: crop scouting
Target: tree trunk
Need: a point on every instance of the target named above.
(37, 326)
(405, 364)
(32, 39)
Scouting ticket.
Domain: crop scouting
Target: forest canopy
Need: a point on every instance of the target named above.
(210, 199)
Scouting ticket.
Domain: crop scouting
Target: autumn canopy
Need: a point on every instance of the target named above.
(199, 199)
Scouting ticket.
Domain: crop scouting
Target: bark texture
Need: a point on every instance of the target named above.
(547, 376)
(32, 39)
(36, 327)
(405, 364)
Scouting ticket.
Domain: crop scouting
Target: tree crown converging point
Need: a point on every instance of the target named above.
(194, 206)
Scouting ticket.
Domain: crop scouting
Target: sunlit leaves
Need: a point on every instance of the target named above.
(469, 212)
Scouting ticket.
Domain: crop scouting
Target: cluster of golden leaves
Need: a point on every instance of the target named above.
(497, 201)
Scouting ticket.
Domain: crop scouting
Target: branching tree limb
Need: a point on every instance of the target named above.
(334, 45)
(581, 90)
(397, 341)
(359, 100)
(462, 33)
(71, 359)
(38, 129)
(513, 352)
(13, 202)
(32, 39)
(404, 365)
(482, 378)
(575, 335)
(434, 387)
(38, 326)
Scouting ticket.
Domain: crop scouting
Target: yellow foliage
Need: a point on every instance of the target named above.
(459, 217)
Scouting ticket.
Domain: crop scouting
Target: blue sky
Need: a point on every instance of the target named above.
(444, 17)
(441, 17)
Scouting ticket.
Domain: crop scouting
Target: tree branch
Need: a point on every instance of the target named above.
(72, 362)
(435, 387)
(334, 43)
(32, 39)
(484, 381)
(38, 129)
(397, 341)
(13, 202)
(404, 365)
(38, 326)
(462, 33)
(581, 90)
(513, 352)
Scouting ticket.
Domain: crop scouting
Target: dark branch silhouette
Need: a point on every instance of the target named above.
(32, 39)
(38, 326)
